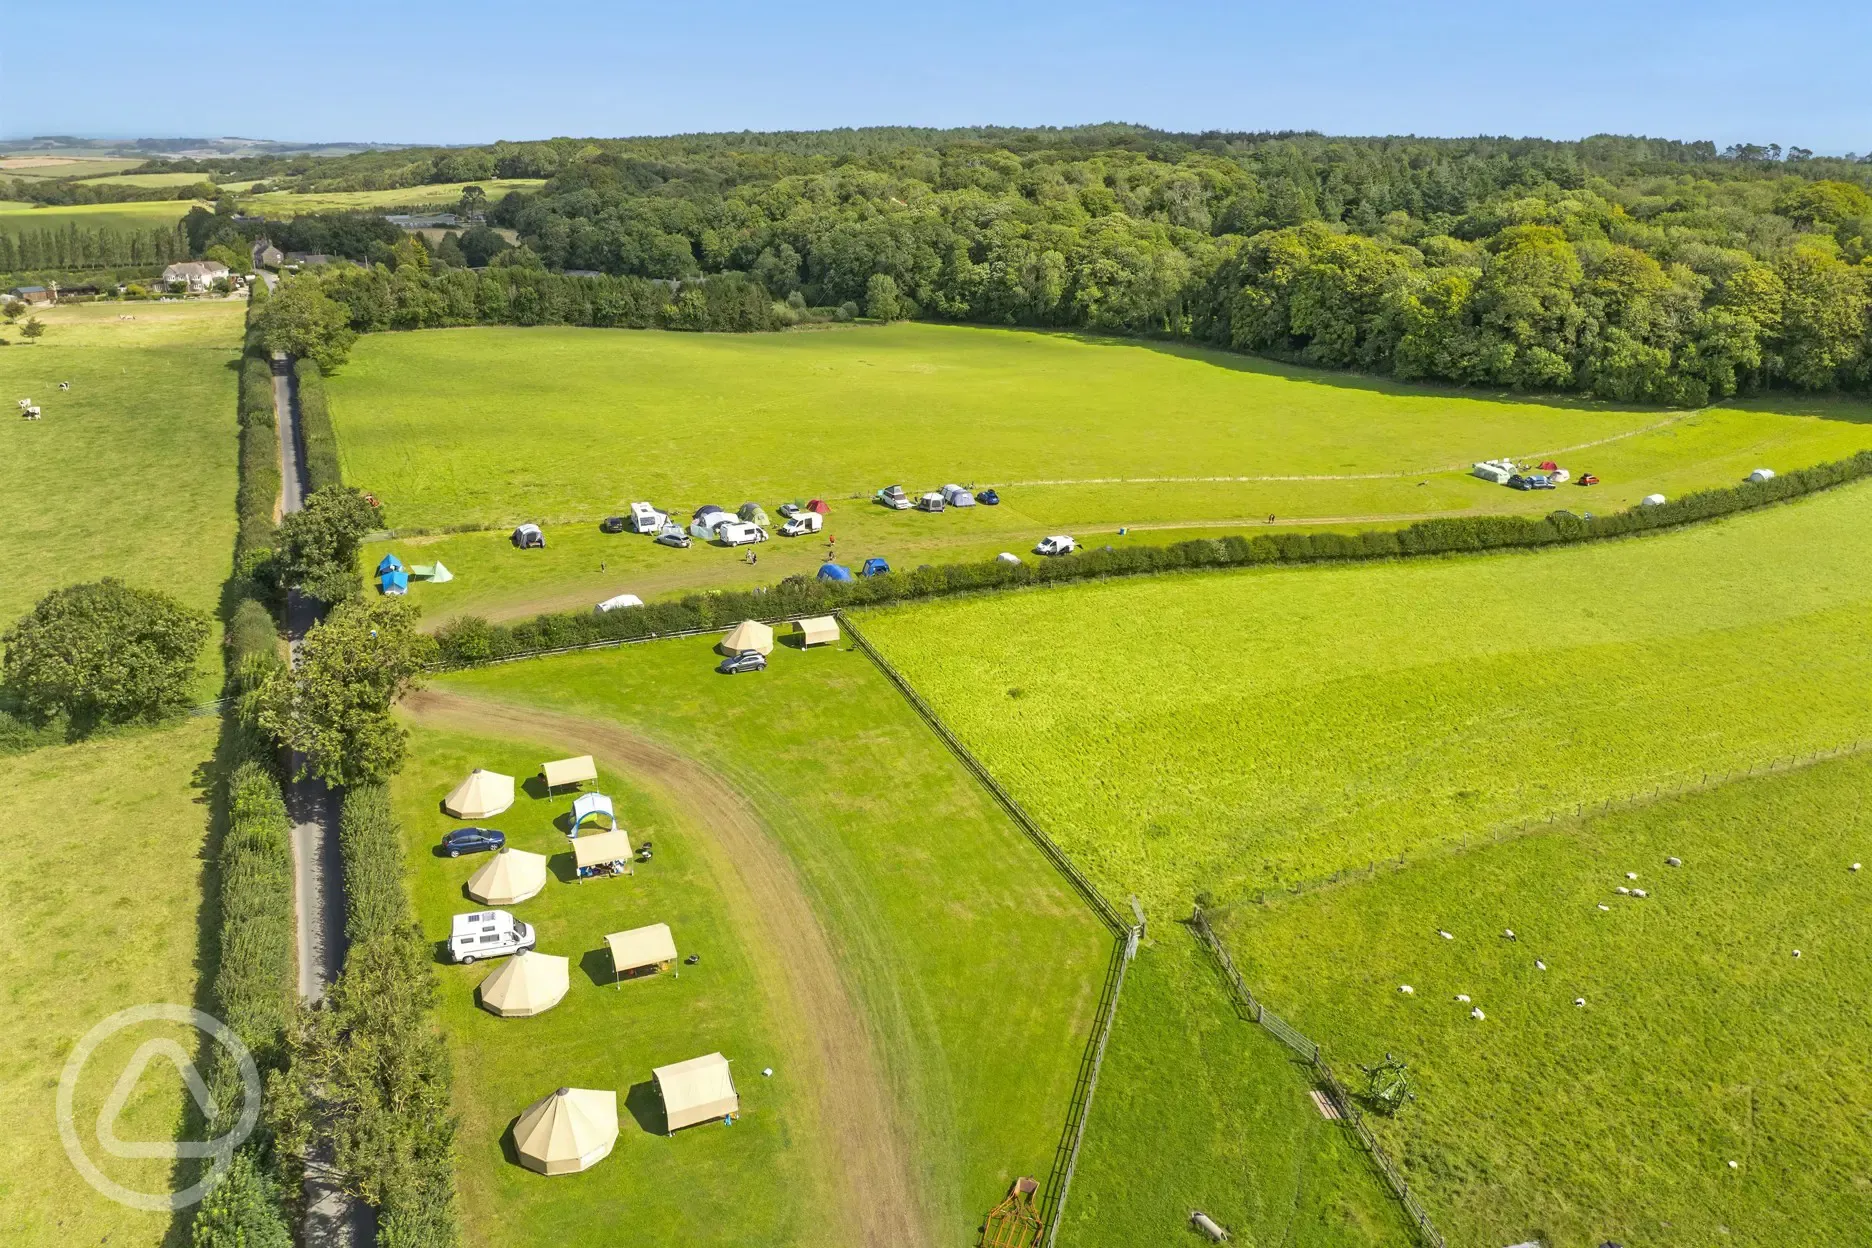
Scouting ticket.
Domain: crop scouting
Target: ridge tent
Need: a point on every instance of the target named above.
(435, 572)
(834, 572)
(389, 563)
(508, 878)
(752, 513)
(608, 853)
(651, 946)
(818, 505)
(590, 806)
(747, 635)
(696, 1091)
(482, 795)
(394, 583)
(526, 984)
(564, 771)
(568, 1130)
(820, 630)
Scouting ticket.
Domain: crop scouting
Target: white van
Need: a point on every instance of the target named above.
(1056, 545)
(647, 519)
(488, 934)
(802, 524)
(740, 533)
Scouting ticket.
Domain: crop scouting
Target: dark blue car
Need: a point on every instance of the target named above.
(988, 498)
(459, 841)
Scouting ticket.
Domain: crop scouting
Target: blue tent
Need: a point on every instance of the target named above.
(834, 572)
(874, 567)
(390, 564)
(394, 583)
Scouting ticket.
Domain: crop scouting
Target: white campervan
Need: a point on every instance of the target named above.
(802, 524)
(488, 934)
(647, 519)
(739, 533)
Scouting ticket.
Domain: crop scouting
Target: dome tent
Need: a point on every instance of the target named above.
(752, 513)
(834, 572)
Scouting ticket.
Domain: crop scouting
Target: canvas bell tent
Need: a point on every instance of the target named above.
(510, 876)
(569, 1130)
(526, 984)
(748, 635)
(697, 1090)
(482, 795)
(642, 948)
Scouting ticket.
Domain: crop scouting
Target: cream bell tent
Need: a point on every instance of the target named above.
(510, 876)
(748, 635)
(696, 1091)
(821, 630)
(608, 853)
(482, 795)
(591, 806)
(570, 1130)
(568, 771)
(642, 947)
(527, 984)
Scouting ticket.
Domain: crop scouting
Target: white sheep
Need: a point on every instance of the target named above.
(1508, 933)
(1463, 997)
(1603, 906)
(1477, 1014)
(1622, 891)
(1539, 965)
(1855, 866)
(1673, 862)
(1797, 953)
(1735, 1165)
(1406, 989)
(1631, 875)
(1580, 1002)
(1445, 935)
(1639, 892)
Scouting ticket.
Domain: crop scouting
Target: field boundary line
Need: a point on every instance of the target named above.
(1309, 1052)
(1127, 934)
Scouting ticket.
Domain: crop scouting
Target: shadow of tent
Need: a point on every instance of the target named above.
(564, 868)
(510, 1148)
(796, 640)
(596, 963)
(646, 1107)
(535, 787)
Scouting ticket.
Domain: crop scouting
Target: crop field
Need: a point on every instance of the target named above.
(440, 196)
(107, 931)
(149, 179)
(961, 966)
(131, 472)
(1240, 732)
(1714, 1088)
(37, 168)
(17, 217)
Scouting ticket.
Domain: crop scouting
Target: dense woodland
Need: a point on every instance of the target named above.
(1633, 269)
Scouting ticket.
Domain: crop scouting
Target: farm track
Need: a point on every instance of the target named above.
(873, 1174)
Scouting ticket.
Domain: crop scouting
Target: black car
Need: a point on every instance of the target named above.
(746, 661)
(612, 524)
(988, 498)
(459, 841)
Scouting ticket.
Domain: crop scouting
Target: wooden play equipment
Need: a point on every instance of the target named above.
(1015, 1222)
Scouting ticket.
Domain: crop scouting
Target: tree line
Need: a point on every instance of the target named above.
(70, 247)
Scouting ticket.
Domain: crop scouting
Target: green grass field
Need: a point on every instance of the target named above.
(973, 967)
(17, 217)
(131, 472)
(148, 179)
(440, 196)
(1250, 730)
(103, 855)
(1703, 1040)
(41, 168)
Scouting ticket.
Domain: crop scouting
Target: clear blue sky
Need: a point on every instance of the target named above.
(476, 71)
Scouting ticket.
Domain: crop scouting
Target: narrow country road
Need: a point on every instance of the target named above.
(875, 1180)
(332, 1219)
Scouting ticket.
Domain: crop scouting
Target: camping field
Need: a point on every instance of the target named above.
(1704, 1040)
(131, 472)
(105, 929)
(870, 924)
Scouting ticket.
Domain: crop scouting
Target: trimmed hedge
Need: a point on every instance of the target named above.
(470, 639)
(315, 428)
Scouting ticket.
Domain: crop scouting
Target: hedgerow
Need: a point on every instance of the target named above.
(315, 427)
(470, 639)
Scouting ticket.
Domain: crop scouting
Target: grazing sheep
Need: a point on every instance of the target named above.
(1508, 934)
(1855, 866)
(1477, 1014)
(1797, 953)
(1639, 892)
(1539, 965)
(1631, 875)
(1445, 935)
(1735, 1165)
(1622, 891)
(1603, 906)
(1673, 862)
(1406, 989)
(1463, 997)
(1580, 1002)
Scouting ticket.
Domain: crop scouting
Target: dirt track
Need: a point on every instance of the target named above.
(873, 1180)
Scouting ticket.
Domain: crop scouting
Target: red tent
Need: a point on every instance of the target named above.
(818, 505)
(1549, 466)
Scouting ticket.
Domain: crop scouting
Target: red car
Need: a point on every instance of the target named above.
(1589, 479)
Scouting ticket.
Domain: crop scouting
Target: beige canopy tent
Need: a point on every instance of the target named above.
(821, 630)
(510, 876)
(641, 947)
(696, 1091)
(602, 850)
(526, 984)
(569, 1130)
(482, 795)
(564, 771)
(748, 635)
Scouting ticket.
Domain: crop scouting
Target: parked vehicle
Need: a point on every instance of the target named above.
(956, 496)
(739, 533)
(1589, 479)
(988, 498)
(672, 534)
(459, 841)
(611, 524)
(647, 519)
(1519, 482)
(932, 501)
(788, 510)
(1539, 481)
(746, 661)
(488, 934)
(874, 567)
(801, 524)
(1058, 545)
(893, 497)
